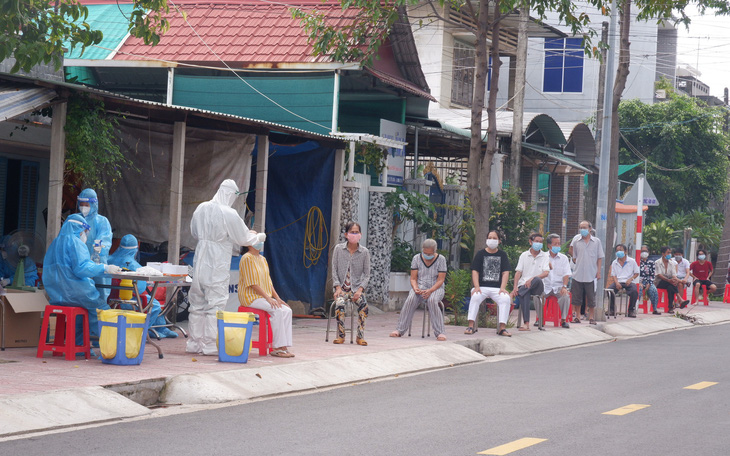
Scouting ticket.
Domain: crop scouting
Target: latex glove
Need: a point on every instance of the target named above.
(112, 269)
(260, 237)
(97, 249)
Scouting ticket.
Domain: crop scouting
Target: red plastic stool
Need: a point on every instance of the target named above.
(706, 300)
(551, 312)
(64, 341)
(266, 335)
(726, 295)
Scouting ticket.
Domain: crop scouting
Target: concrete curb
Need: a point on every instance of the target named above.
(711, 318)
(537, 341)
(246, 384)
(643, 327)
(55, 409)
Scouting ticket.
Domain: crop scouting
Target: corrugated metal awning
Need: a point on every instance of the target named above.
(400, 83)
(556, 155)
(20, 99)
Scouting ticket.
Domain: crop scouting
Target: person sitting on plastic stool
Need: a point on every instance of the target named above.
(489, 275)
(350, 277)
(428, 273)
(556, 283)
(68, 272)
(124, 257)
(532, 267)
(256, 290)
(622, 275)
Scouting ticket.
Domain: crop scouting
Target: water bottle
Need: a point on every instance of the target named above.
(95, 257)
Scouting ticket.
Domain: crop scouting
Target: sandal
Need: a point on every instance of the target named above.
(576, 320)
(522, 328)
(591, 322)
(470, 330)
(281, 354)
(441, 337)
(503, 332)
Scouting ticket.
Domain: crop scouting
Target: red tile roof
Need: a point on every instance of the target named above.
(239, 32)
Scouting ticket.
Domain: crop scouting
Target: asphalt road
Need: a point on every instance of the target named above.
(558, 396)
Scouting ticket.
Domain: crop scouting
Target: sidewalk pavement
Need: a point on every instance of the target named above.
(38, 394)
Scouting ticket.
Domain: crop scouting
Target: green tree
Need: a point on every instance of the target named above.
(682, 134)
(36, 31)
(358, 40)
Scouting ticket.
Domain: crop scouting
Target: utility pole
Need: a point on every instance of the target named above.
(519, 99)
(723, 254)
(603, 177)
(601, 83)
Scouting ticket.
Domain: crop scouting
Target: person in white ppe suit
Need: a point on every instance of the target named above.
(220, 232)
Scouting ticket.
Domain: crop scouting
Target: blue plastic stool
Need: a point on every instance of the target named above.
(243, 357)
(121, 325)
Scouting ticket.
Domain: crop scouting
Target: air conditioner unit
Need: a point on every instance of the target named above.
(681, 83)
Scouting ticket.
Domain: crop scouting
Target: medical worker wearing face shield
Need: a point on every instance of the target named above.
(68, 272)
(220, 232)
(88, 206)
(124, 257)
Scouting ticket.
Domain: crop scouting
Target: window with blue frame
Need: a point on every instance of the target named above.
(563, 65)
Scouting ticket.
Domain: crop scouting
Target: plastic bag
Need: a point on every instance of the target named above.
(235, 337)
(108, 336)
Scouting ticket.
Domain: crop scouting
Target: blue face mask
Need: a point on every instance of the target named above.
(584, 232)
(537, 246)
(668, 256)
(428, 257)
(555, 249)
(259, 246)
(701, 257)
(620, 254)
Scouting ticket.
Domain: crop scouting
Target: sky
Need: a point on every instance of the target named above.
(712, 35)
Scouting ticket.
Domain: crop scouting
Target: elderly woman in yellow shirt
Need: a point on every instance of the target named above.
(256, 290)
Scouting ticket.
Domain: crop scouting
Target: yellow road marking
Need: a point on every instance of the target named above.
(508, 448)
(700, 385)
(626, 409)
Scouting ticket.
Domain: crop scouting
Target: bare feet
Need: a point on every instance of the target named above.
(395, 334)
(441, 337)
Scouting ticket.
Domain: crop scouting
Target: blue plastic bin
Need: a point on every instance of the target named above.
(243, 357)
(121, 325)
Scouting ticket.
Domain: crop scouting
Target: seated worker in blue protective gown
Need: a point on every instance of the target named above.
(100, 229)
(68, 272)
(124, 257)
(7, 271)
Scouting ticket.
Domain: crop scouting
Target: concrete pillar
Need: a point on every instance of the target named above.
(176, 189)
(55, 172)
(453, 216)
(337, 196)
(380, 245)
(262, 179)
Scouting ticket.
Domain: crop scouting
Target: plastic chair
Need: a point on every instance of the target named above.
(705, 300)
(551, 312)
(330, 311)
(663, 299)
(266, 335)
(537, 302)
(64, 341)
(427, 315)
(726, 295)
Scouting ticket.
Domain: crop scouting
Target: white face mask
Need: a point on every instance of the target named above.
(645, 255)
(85, 210)
(492, 243)
(83, 237)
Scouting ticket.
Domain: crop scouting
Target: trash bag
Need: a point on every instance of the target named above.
(108, 337)
(234, 337)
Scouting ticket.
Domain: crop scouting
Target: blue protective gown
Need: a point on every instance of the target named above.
(100, 229)
(68, 272)
(124, 257)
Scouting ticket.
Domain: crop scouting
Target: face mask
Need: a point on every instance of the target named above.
(83, 237)
(668, 256)
(699, 257)
(259, 246)
(620, 254)
(85, 210)
(537, 246)
(583, 232)
(555, 249)
(428, 257)
(354, 237)
(645, 255)
(492, 243)
(677, 259)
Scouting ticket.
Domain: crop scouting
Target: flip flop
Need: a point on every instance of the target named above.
(470, 330)
(395, 334)
(281, 354)
(522, 328)
(441, 337)
(503, 332)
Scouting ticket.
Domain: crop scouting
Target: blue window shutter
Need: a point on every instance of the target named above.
(3, 191)
(553, 73)
(29, 175)
(573, 74)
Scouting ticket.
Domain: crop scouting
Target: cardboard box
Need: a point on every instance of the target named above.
(20, 318)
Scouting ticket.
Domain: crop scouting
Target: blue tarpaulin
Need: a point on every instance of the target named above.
(300, 177)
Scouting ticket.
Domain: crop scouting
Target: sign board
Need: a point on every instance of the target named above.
(649, 197)
(396, 157)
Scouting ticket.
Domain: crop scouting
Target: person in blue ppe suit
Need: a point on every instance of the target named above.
(88, 206)
(124, 257)
(7, 272)
(68, 272)
(220, 232)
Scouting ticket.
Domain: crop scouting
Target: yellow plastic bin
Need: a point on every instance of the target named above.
(236, 328)
(122, 336)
